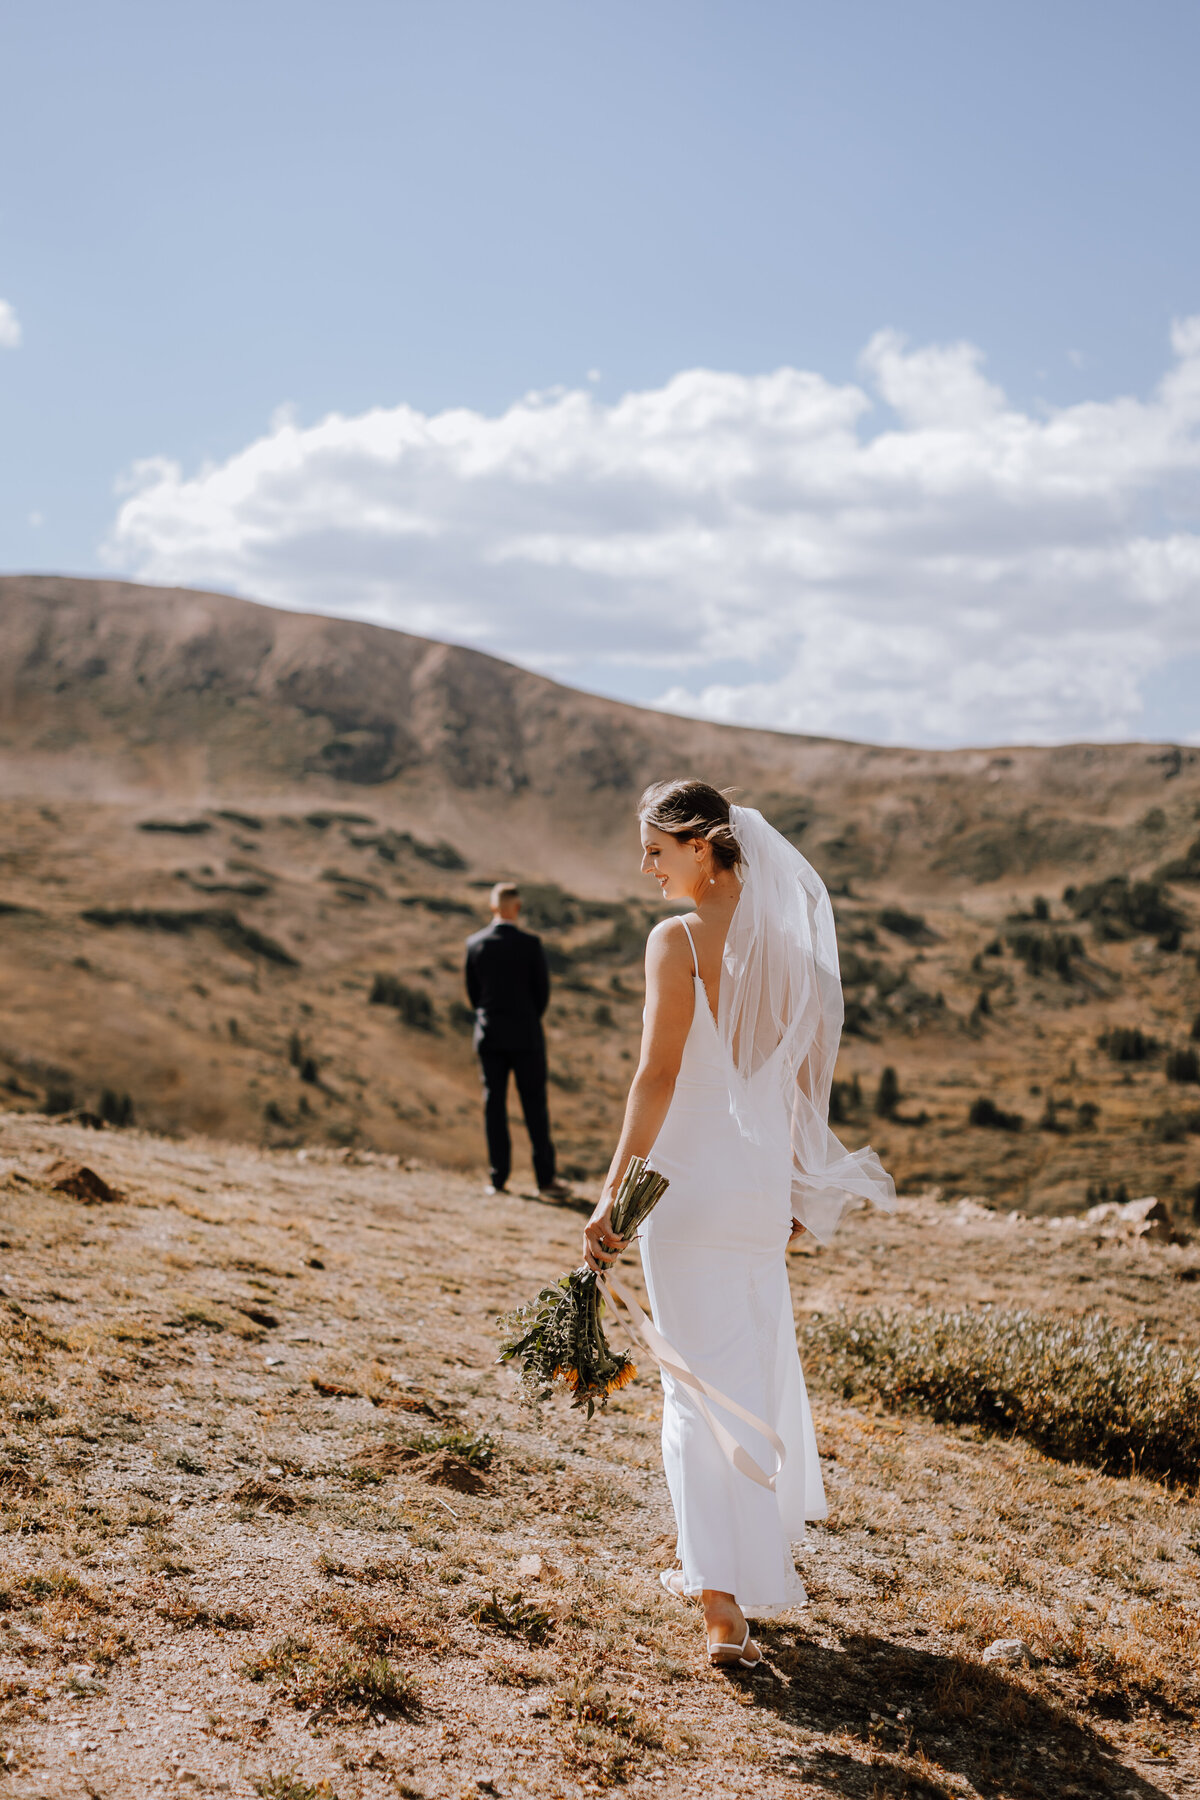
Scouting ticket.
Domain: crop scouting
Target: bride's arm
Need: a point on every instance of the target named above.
(670, 1002)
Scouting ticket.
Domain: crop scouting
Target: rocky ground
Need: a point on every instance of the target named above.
(275, 1524)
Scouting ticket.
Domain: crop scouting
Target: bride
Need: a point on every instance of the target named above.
(730, 1101)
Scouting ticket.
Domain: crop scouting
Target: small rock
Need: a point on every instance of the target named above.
(531, 1566)
(1010, 1653)
(81, 1183)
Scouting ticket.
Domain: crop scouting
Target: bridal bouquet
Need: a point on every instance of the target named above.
(559, 1336)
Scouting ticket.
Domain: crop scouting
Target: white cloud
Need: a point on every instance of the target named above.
(10, 326)
(909, 560)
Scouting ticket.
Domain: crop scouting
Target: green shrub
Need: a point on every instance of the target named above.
(984, 1111)
(325, 1678)
(1099, 1191)
(1084, 1390)
(116, 1109)
(1127, 1043)
(474, 1447)
(413, 1004)
(440, 855)
(1166, 1128)
(441, 904)
(1196, 1029)
(1050, 1120)
(845, 1097)
(1120, 908)
(290, 1786)
(516, 1618)
(909, 926)
(1047, 952)
(59, 1099)
(1183, 1065)
(228, 927)
(1185, 867)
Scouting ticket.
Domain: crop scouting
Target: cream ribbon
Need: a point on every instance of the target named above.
(668, 1358)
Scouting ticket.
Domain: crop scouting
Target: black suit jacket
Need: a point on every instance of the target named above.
(509, 987)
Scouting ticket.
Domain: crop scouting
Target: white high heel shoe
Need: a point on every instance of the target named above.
(735, 1657)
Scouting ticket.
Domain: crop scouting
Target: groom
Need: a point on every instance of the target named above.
(509, 986)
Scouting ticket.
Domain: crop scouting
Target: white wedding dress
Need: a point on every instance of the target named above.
(713, 1252)
(746, 1147)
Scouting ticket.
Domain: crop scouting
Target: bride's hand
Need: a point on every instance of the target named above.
(601, 1245)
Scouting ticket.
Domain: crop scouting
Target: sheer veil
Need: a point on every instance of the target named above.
(781, 1013)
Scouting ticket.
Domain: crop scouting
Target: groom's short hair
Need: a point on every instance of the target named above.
(502, 893)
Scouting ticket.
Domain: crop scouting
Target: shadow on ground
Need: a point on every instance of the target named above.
(962, 1719)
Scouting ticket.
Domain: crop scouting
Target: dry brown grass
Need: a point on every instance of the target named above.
(188, 1524)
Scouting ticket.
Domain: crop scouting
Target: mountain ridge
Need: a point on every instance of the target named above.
(240, 849)
(212, 694)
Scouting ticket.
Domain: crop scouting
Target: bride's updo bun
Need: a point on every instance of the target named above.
(692, 809)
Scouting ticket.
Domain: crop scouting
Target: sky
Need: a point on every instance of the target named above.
(829, 368)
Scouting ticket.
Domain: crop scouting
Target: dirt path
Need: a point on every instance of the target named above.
(274, 1523)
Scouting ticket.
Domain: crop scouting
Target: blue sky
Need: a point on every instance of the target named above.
(221, 225)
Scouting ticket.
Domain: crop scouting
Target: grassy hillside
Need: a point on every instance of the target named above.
(241, 848)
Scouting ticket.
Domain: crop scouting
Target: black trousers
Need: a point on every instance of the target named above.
(529, 1067)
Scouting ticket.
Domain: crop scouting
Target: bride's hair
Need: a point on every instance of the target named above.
(692, 809)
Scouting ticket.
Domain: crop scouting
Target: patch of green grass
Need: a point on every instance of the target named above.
(335, 1680)
(607, 1735)
(361, 1477)
(515, 1617)
(474, 1447)
(1085, 1390)
(183, 1612)
(369, 1573)
(289, 1785)
(63, 1585)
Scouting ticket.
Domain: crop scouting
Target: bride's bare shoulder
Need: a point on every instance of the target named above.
(667, 945)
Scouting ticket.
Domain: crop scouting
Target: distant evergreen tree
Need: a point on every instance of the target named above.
(984, 1111)
(116, 1109)
(1183, 1065)
(887, 1094)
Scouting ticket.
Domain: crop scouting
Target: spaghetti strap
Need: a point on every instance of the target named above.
(692, 942)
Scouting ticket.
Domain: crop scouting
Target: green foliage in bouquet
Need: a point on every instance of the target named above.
(560, 1336)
